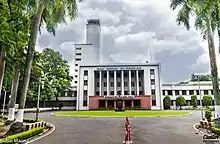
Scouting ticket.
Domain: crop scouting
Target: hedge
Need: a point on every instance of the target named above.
(27, 120)
(21, 136)
(216, 130)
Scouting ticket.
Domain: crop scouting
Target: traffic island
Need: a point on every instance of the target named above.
(29, 132)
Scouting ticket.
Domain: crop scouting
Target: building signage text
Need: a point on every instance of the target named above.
(121, 68)
(125, 96)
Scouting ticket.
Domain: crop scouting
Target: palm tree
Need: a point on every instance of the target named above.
(51, 13)
(206, 22)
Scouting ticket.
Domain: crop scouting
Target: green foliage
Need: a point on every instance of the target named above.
(180, 101)
(216, 130)
(167, 102)
(208, 115)
(22, 136)
(207, 100)
(201, 77)
(194, 101)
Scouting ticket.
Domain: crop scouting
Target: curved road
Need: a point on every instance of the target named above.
(149, 130)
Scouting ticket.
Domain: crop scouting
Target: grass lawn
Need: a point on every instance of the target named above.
(126, 113)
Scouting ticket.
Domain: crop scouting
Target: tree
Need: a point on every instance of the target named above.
(201, 77)
(194, 101)
(207, 21)
(51, 13)
(207, 100)
(167, 102)
(180, 101)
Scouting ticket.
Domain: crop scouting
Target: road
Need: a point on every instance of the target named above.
(149, 130)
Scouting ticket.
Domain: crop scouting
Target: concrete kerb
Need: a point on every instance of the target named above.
(42, 136)
(196, 129)
(52, 114)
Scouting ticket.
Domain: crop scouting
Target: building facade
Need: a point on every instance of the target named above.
(138, 85)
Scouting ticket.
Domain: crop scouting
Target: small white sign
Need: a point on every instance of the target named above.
(125, 96)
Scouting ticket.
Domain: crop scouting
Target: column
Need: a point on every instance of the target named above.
(100, 83)
(132, 104)
(180, 92)
(115, 84)
(106, 104)
(107, 83)
(123, 104)
(122, 82)
(137, 82)
(129, 81)
(187, 92)
(115, 104)
(166, 92)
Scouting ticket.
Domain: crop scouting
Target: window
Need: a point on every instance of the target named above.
(97, 93)
(118, 74)
(85, 82)
(85, 73)
(125, 74)
(78, 59)
(125, 84)
(105, 92)
(177, 92)
(70, 93)
(105, 75)
(211, 92)
(85, 93)
(141, 93)
(97, 84)
(132, 74)
(191, 92)
(118, 92)
(112, 92)
(183, 92)
(153, 92)
(206, 92)
(76, 70)
(151, 71)
(169, 92)
(112, 75)
(132, 93)
(105, 84)
(79, 54)
(164, 92)
(78, 48)
(75, 82)
(85, 103)
(153, 102)
(197, 92)
(152, 81)
(76, 64)
(118, 84)
(139, 84)
(112, 84)
(132, 83)
(76, 76)
(126, 92)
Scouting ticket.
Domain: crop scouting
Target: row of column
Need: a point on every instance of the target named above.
(187, 92)
(115, 82)
(123, 102)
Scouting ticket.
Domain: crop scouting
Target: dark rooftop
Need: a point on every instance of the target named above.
(93, 21)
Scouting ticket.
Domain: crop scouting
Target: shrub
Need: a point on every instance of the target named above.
(207, 100)
(194, 101)
(22, 136)
(180, 101)
(216, 130)
(208, 115)
(166, 102)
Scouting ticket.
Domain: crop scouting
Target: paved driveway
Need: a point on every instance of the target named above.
(149, 130)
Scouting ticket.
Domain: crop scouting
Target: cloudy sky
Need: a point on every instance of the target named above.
(128, 26)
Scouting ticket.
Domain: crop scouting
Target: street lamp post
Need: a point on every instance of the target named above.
(38, 102)
(200, 96)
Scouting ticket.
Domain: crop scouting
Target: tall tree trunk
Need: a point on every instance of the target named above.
(2, 66)
(214, 69)
(35, 22)
(14, 89)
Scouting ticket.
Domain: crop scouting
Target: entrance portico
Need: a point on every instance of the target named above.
(96, 102)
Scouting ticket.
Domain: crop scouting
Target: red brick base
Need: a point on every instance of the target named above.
(145, 101)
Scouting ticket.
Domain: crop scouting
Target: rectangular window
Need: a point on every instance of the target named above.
(105, 75)
(79, 54)
(97, 84)
(105, 92)
(97, 93)
(197, 92)
(118, 92)
(177, 92)
(132, 93)
(76, 64)
(78, 59)
(105, 84)
(76, 76)
(211, 92)
(141, 93)
(152, 81)
(139, 84)
(153, 92)
(85, 72)
(183, 92)
(78, 48)
(85, 93)
(191, 92)
(206, 92)
(126, 92)
(76, 70)
(112, 84)
(112, 92)
(85, 82)
(163, 92)
(118, 84)
(85, 103)
(151, 71)
(153, 102)
(75, 82)
(132, 84)
(125, 84)
(169, 92)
